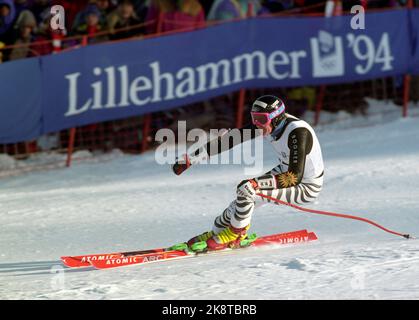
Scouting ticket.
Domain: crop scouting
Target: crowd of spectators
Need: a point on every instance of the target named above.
(25, 24)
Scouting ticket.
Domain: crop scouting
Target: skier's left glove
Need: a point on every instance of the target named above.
(181, 164)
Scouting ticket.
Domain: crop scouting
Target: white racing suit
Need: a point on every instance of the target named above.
(298, 176)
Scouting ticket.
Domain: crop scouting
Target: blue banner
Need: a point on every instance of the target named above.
(112, 81)
(20, 101)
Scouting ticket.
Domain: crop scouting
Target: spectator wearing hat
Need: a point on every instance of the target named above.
(105, 7)
(90, 25)
(25, 28)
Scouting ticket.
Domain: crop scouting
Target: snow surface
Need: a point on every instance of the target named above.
(131, 203)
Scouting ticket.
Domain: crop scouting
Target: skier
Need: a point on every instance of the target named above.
(297, 179)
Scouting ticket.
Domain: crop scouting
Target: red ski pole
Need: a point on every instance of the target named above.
(346, 216)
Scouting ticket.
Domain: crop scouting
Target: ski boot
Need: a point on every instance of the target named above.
(195, 244)
(229, 238)
(199, 243)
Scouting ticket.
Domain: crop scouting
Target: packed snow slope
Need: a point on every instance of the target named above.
(134, 203)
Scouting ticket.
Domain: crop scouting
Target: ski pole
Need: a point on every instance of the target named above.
(339, 215)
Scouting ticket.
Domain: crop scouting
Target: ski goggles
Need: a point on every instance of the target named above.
(264, 119)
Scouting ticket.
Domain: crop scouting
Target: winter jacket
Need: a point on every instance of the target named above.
(25, 19)
(7, 22)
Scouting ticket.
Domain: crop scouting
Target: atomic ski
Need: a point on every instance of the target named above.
(113, 260)
(84, 260)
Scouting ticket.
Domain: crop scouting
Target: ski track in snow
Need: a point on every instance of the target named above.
(133, 203)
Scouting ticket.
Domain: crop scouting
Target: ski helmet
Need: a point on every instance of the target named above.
(268, 109)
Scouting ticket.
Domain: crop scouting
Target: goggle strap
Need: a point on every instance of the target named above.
(277, 112)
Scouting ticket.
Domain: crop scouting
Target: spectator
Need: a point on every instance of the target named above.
(44, 33)
(176, 14)
(104, 7)
(90, 24)
(25, 27)
(224, 10)
(7, 17)
(125, 18)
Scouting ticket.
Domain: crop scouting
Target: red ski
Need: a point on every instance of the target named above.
(84, 260)
(107, 262)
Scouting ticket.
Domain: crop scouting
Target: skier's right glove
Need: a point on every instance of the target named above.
(247, 188)
(181, 164)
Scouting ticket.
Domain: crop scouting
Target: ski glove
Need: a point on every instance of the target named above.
(249, 188)
(267, 182)
(181, 165)
(281, 181)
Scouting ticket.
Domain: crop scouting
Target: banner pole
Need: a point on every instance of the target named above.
(406, 94)
(70, 147)
(72, 132)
